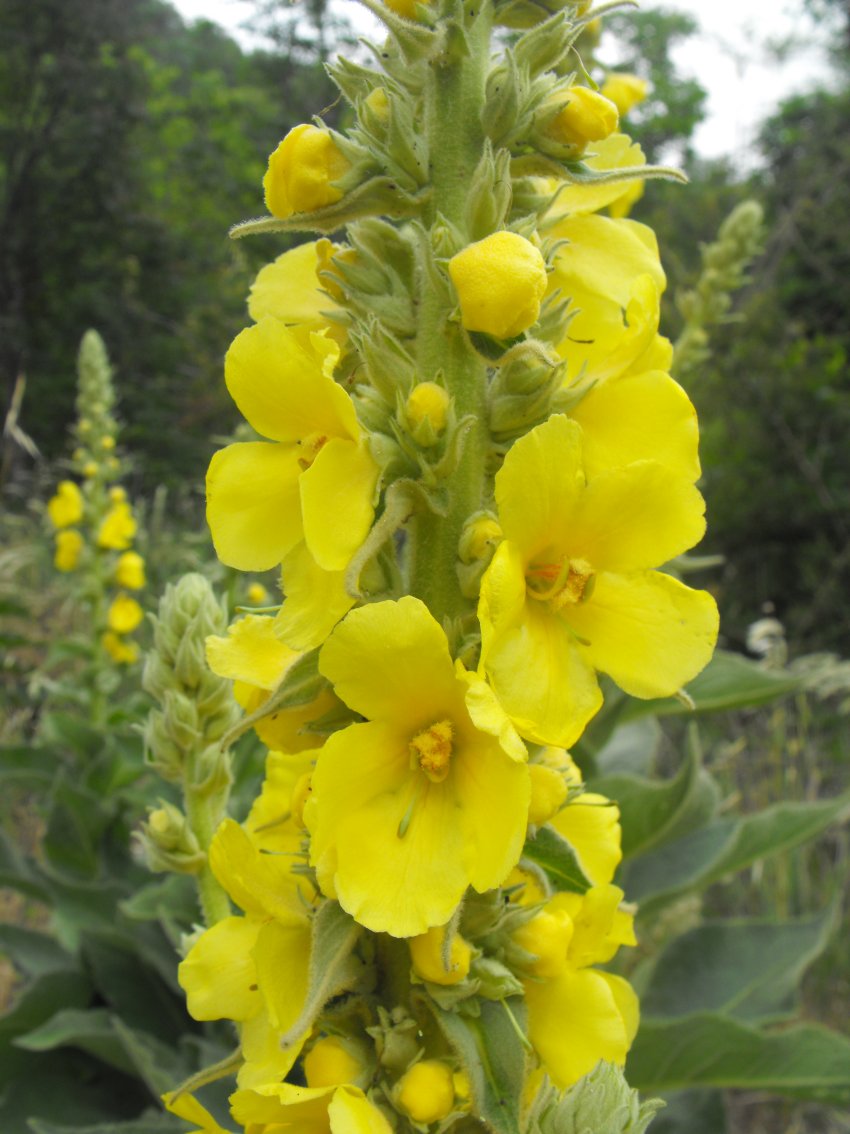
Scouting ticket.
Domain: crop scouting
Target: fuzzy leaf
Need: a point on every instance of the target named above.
(557, 858)
(706, 1050)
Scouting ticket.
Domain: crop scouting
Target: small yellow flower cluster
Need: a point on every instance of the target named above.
(474, 468)
(95, 520)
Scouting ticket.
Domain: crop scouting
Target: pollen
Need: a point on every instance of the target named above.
(561, 583)
(431, 751)
(309, 448)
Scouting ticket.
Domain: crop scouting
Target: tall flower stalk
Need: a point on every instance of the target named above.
(475, 466)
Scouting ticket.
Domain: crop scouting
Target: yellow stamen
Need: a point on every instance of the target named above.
(310, 447)
(431, 750)
(561, 583)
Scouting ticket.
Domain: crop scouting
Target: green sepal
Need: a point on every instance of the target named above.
(493, 1053)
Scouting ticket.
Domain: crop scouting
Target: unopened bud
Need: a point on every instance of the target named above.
(426, 1092)
(427, 952)
(426, 412)
(548, 793)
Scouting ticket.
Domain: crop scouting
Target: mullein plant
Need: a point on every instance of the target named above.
(93, 522)
(473, 467)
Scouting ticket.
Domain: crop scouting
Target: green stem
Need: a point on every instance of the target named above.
(204, 811)
(456, 143)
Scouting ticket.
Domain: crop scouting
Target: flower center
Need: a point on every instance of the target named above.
(309, 447)
(431, 751)
(564, 582)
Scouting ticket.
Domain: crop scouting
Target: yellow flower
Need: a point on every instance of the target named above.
(584, 116)
(124, 614)
(275, 822)
(500, 282)
(426, 1091)
(302, 171)
(119, 649)
(130, 571)
(188, 1108)
(625, 90)
(252, 969)
(571, 589)
(256, 660)
(427, 797)
(578, 1015)
(118, 527)
(69, 548)
(315, 481)
(281, 1107)
(66, 506)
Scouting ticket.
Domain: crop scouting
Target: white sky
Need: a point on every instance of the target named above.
(732, 59)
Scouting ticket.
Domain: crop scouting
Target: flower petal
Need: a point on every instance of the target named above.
(253, 504)
(591, 825)
(542, 679)
(539, 485)
(351, 1112)
(219, 975)
(574, 1021)
(647, 631)
(315, 600)
(262, 885)
(282, 956)
(337, 494)
(289, 289)
(265, 1060)
(390, 661)
(250, 652)
(635, 517)
(278, 377)
(639, 417)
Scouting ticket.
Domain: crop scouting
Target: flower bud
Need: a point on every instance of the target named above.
(161, 753)
(426, 411)
(181, 719)
(169, 842)
(90, 470)
(426, 953)
(425, 1092)
(577, 116)
(69, 548)
(257, 594)
(500, 282)
(624, 90)
(333, 1060)
(302, 171)
(548, 793)
(480, 536)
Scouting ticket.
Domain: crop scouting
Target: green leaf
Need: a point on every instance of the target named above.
(131, 986)
(653, 812)
(89, 1030)
(333, 969)
(692, 1112)
(28, 765)
(37, 1003)
(32, 952)
(75, 824)
(631, 749)
(493, 1055)
(729, 681)
(156, 1124)
(706, 1050)
(68, 729)
(555, 855)
(696, 860)
(747, 969)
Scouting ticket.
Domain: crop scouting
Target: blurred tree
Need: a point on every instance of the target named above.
(129, 144)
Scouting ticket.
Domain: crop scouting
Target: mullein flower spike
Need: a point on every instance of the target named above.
(476, 466)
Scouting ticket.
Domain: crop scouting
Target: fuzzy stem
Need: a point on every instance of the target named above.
(456, 142)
